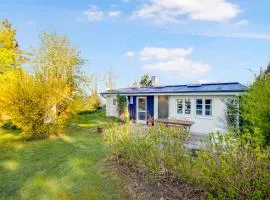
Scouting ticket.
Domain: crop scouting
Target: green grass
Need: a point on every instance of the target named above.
(69, 166)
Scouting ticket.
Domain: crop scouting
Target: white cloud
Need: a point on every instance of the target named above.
(248, 35)
(172, 61)
(126, 1)
(93, 13)
(149, 53)
(114, 13)
(180, 67)
(162, 11)
(240, 23)
(226, 34)
(130, 54)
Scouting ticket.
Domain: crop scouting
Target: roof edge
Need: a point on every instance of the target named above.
(185, 92)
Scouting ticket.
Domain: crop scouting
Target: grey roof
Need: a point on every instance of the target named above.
(192, 88)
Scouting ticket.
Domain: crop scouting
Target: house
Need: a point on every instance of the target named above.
(202, 104)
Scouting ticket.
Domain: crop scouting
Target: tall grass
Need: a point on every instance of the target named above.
(225, 167)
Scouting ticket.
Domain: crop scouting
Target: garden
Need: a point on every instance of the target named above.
(56, 143)
(235, 165)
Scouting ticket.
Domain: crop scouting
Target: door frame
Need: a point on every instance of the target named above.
(137, 110)
(168, 106)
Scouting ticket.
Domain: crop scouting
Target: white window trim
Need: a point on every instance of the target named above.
(203, 116)
(184, 106)
(137, 110)
(210, 109)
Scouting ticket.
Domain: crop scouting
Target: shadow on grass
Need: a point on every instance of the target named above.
(63, 167)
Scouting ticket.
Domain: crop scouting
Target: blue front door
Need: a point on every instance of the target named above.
(144, 111)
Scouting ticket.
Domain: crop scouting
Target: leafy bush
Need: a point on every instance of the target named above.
(26, 103)
(256, 107)
(94, 101)
(122, 108)
(233, 168)
(154, 149)
(225, 167)
(39, 102)
(9, 125)
(232, 114)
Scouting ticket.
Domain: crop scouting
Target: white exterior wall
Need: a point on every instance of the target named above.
(155, 107)
(202, 124)
(111, 110)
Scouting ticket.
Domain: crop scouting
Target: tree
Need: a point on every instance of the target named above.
(145, 81)
(110, 80)
(40, 101)
(11, 57)
(268, 68)
(256, 107)
(94, 100)
(57, 64)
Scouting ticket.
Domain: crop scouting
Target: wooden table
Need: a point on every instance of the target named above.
(175, 122)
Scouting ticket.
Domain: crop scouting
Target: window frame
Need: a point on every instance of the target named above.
(210, 109)
(199, 109)
(114, 101)
(177, 108)
(183, 102)
(187, 101)
(203, 110)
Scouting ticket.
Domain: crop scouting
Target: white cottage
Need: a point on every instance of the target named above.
(202, 104)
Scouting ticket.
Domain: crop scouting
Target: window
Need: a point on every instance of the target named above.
(204, 107)
(179, 106)
(187, 106)
(208, 107)
(114, 102)
(183, 106)
(199, 107)
(131, 100)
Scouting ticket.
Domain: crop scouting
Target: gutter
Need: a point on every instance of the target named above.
(185, 92)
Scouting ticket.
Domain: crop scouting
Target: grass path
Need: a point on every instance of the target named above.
(64, 167)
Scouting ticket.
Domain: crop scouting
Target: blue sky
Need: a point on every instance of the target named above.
(180, 41)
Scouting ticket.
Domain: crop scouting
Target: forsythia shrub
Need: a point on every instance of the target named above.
(94, 101)
(26, 103)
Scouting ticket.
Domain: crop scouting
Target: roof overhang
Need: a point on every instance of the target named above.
(195, 93)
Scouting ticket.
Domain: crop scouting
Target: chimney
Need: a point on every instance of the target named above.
(154, 80)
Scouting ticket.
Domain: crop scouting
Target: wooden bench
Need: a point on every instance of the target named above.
(174, 122)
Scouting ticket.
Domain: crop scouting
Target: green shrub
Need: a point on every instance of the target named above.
(225, 167)
(256, 108)
(122, 108)
(232, 114)
(9, 125)
(234, 168)
(154, 149)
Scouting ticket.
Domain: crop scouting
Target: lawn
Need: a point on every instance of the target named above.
(69, 166)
